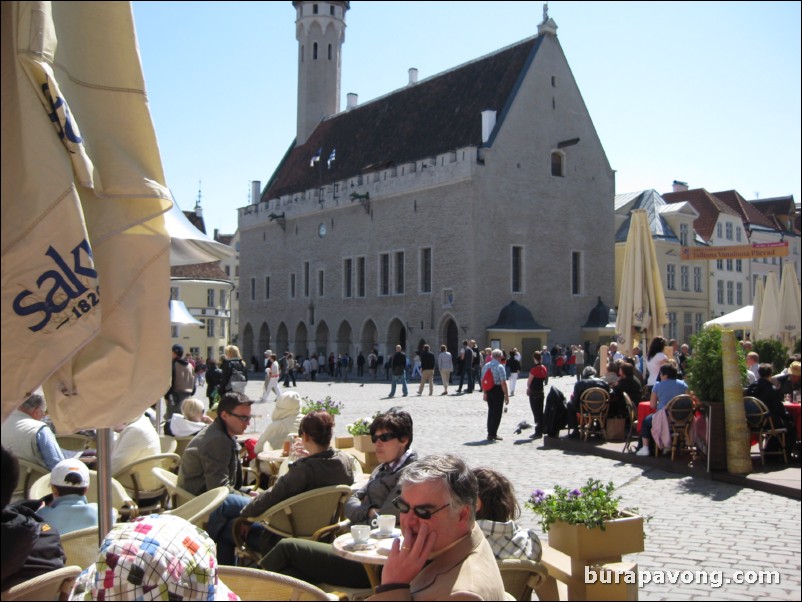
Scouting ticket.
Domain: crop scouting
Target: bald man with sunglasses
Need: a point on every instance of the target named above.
(444, 554)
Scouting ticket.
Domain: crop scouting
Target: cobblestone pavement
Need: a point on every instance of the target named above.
(696, 524)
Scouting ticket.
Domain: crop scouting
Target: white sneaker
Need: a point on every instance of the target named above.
(643, 451)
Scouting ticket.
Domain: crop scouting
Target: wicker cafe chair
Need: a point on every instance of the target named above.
(178, 495)
(522, 576)
(29, 473)
(632, 434)
(55, 585)
(761, 425)
(75, 442)
(181, 443)
(679, 411)
(314, 514)
(198, 509)
(256, 584)
(81, 546)
(123, 503)
(168, 444)
(138, 479)
(593, 407)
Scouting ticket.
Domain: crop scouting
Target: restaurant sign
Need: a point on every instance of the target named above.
(756, 251)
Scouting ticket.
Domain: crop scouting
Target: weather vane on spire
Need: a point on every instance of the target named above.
(545, 11)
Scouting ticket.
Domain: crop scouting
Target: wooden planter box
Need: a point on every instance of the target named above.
(621, 536)
(344, 442)
(364, 444)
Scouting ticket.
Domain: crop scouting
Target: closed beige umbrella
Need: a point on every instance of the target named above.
(790, 305)
(770, 309)
(642, 311)
(757, 304)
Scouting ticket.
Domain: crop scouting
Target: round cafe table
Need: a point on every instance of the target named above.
(371, 558)
(270, 461)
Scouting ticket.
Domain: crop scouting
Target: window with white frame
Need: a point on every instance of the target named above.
(671, 277)
(739, 265)
(729, 231)
(720, 292)
(719, 264)
(738, 233)
(685, 278)
(672, 325)
(697, 280)
(719, 231)
(730, 296)
(729, 265)
(210, 327)
(209, 297)
(683, 235)
(698, 322)
(739, 293)
(223, 299)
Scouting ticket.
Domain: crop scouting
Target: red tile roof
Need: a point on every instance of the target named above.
(200, 271)
(707, 205)
(749, 214)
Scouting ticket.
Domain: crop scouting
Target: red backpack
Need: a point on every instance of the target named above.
(488, 382)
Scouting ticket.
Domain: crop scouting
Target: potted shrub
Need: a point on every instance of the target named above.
(705, 379)
(360, 430)
(587, 523)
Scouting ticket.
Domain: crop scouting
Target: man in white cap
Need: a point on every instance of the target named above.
(69, 510)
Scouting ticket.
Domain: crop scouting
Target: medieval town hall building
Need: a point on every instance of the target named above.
(421, 215)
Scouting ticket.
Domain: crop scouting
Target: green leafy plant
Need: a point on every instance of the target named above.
(590, 505)
(327, 405)
(361, 426)
(771, 352)
(705, 371)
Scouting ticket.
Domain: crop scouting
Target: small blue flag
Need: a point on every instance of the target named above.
(332, 156)
(316, 158)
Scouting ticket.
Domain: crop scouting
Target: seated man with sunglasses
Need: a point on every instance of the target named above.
(212, 457)
(444, 553)
(315, 562)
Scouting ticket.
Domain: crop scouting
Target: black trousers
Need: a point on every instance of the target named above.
(536, 403)
(495, 408)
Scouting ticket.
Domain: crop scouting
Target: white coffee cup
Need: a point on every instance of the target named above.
(385, 523)
(360, 533)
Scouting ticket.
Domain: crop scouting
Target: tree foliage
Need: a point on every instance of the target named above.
(705, 373)
(771, 352)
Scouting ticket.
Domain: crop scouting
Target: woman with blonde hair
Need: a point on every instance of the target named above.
(234, 369)
(191, 419)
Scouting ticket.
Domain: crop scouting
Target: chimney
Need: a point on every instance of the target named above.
(352, 101)
(413, 76)
(679, 186)
(256, 190)
(217, 234)
(488, 123)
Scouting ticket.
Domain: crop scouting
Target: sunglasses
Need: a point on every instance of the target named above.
(421, 513)
(241, 417)
(384, 437)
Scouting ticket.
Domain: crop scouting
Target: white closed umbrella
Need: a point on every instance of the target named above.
(770, 309)
(757, 304)
(642, 310)
(790, 305)
(180, 316)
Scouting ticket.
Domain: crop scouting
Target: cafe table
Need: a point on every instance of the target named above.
(794, 412)
(270, 461)
(372, 555)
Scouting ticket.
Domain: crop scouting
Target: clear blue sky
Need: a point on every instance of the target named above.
(705, 92)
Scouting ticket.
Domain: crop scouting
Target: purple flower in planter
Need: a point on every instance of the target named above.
(538, 496)
(575, 493)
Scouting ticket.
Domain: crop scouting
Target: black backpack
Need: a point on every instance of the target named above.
(555, 416)
(237, 374)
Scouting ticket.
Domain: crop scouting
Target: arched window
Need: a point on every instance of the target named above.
(557, 164)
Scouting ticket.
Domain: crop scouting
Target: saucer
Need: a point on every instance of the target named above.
(358, 547)
(376, 534)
